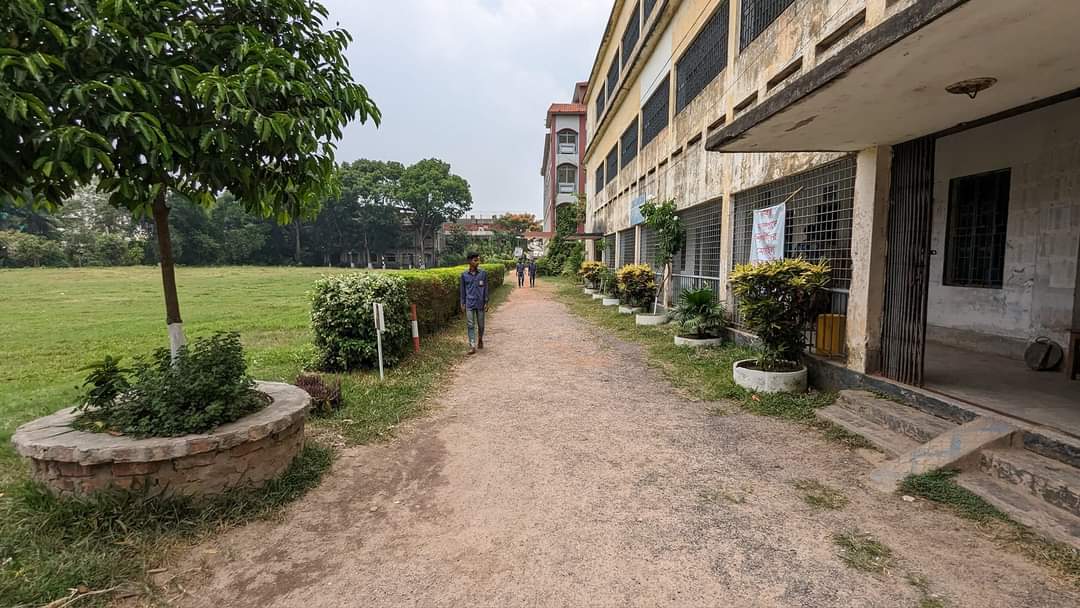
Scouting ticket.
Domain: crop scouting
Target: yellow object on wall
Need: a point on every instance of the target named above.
(831, 329)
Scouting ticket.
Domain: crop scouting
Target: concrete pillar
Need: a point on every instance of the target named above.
(637, 244)
(866, 296)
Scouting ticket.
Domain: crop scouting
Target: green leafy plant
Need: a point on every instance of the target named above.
(206, 386)
(698, 314)
(776, 300)
(637, 284)
(662, 218)
(590, 272)
(608, 285)
(342, 320)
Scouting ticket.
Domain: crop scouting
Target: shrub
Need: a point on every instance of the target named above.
(637, 284)
(325, 396)
(608, 285)
(698, 314)
(543, 267)
(591, 272)
(19, 250)
(205, 387)
(573, 262)
(343, 323)
(436, 292)
(776, 300)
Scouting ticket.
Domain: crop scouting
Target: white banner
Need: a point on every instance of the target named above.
(767, 238)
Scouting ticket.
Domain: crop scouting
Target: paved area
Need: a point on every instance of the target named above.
(558, 469)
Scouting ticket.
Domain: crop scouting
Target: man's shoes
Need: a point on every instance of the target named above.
(481, 344)
(472, 351)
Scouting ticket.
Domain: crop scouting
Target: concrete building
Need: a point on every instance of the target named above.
(564, 144)
(929, 149)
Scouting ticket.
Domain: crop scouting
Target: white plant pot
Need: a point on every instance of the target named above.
(598, 296)
(590, 290)
(628, 310)
(651, 319)
(611, 301)
(697, 342)
(768, 382)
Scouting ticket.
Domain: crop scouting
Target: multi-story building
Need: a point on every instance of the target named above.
(929, 149)
(564, 144)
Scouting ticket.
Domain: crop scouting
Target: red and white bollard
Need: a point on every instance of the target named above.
(415, 328)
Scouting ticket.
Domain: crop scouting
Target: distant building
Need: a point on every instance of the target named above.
(564, 145)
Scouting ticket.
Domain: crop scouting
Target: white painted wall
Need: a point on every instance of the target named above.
(1043, 150)
(656, 67)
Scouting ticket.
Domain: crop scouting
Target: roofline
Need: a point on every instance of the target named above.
(616, 10)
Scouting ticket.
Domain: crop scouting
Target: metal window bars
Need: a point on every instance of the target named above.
(631, 34)
(647, 248)
(627, 246)
(698, 264)
(649, 6)
(976, 229)
(654, 114)
(601, 99)
(629, 141)
(612, 163)
(600, 178)
(758, 15)
(817, 226)
(613, 77)
(703, 60)
(609, 251)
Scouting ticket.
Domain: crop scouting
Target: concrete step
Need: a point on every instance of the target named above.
(1023, 507)
(900, 418)
(882, 437)
(1050, 480)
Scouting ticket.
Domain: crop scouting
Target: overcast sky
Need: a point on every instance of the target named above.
(468, 81)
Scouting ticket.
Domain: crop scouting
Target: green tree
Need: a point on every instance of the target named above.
(157, 96)
(517, 224)
(370, 188)
(430, 196)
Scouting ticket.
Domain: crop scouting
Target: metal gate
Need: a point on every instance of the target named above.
(911, 198)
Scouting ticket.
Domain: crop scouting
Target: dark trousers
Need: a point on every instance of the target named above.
(532, 280)
(521, 280)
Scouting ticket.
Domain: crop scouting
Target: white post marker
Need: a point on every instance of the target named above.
(380, 326)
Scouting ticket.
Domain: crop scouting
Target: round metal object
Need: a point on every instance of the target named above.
(1043, 354)
(972, 86)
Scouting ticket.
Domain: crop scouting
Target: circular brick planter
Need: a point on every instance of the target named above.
(250, 451)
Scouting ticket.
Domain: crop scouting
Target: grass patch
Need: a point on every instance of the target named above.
(940, 487)
(821, 496)
(863, 552)
(48, 546)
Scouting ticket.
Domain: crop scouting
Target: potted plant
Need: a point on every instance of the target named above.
(637, 287)
(590, 275)
(700, 318)
(670, 233)
(609, 287)
(776, 300)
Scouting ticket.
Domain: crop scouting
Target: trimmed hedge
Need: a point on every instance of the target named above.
(435, 293)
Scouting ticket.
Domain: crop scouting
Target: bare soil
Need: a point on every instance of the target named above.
(559, 469)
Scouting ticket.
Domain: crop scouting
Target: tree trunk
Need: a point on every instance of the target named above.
(420, 233)
(367, 251)
(168, 275)
(296, 239)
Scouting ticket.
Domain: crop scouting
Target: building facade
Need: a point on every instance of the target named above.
(936, 169)
(564, 144)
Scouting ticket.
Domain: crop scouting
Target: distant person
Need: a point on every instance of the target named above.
(532, 273)
(474, 299)
(521, 273)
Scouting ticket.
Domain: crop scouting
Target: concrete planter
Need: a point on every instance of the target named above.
(768, 382)
(697, 342)
(610, 301)
(590, 291)
(651, 319)
(629, 310)
(247, 452)
(598, 296)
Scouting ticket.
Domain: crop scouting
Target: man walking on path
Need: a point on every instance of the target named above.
(474, 299)
(532, 273)
(521, 273)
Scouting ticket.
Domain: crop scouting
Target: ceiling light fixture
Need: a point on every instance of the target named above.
(971, 87)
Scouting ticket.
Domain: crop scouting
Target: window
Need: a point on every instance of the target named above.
(613, 77)
(758, 15)
(630, 36)
(601, 99)
(629, 143)
(567, 141)
(649, 5)
(975, 231)
(703, 60)
(567, 177)
(600, 178)
(654, 114)
(612, 163)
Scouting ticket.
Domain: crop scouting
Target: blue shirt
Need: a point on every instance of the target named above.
(520, 268)
(474, 289)
(532, 270)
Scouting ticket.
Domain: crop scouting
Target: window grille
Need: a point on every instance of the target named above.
(612, 163)
(698, 264)
(817, 226)
(629, 143)
(630, 36)
(976, 229)
(649, 6)
(654, 114)
(600, 178)
(703, 60)
(609, 250)
(647, 248)
(567, 142)
(567, 178)
(601, 99)
(626, 247)
(613, 77)
(758, 15)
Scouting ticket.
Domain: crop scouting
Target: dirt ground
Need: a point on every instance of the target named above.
(558, 469)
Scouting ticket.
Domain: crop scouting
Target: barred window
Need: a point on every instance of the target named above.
(613, 77)
(567, 178)
(976, 229)
(647, 247)
(703, 60)
(601, 99)
(626, 246)
(612, 163)
(629, 143)
(609, 250)
(630, 36)
(654, 114)
(698, 262)
(649, 6)
(600, 178)
(758, 15)
(567, 141)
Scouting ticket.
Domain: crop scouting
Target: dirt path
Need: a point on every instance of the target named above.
(560, 470)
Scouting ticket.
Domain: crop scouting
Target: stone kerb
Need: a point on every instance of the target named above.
(249, 451)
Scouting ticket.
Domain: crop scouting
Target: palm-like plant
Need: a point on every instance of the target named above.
(698, 314)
